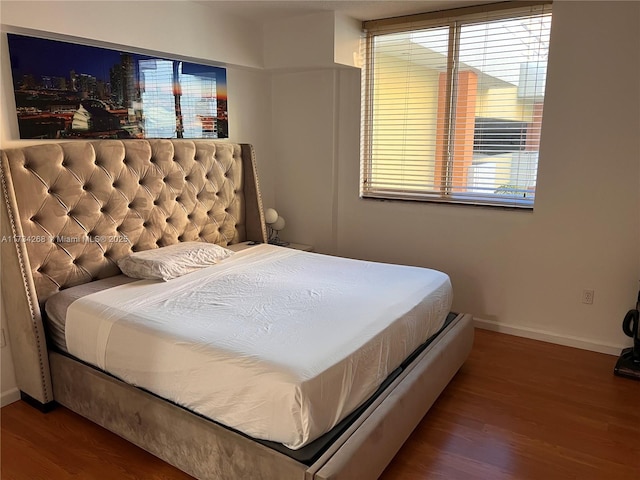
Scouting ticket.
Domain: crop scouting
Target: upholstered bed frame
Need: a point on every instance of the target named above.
(71, 210)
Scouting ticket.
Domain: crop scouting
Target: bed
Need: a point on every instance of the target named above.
(137, 195)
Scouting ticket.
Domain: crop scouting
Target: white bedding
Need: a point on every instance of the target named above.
(277, 343)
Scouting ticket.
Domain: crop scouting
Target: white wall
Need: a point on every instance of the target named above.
(346, 48)
(317, 40)
(520, 272)
(187, 29)
(303, 124)
(249, 93)
(302, 42)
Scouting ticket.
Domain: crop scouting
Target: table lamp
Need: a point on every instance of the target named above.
(275, 223)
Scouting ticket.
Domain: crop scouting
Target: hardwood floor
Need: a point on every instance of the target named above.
(518, 409)
(522, 409)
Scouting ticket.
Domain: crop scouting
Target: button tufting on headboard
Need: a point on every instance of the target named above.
(98, 201)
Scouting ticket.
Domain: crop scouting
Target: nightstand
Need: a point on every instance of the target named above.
(301, 246)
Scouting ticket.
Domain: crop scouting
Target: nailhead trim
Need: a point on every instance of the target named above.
(20, 254)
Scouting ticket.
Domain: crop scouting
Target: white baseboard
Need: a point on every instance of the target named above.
(568, 341)
(9, 396)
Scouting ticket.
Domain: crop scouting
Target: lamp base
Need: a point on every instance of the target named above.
(627, 366)
(278, 242)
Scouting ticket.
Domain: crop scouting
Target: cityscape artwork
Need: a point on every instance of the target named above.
(65, 90)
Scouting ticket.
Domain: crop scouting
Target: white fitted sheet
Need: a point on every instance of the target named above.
(274, 342)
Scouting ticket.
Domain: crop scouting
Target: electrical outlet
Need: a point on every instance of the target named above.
(3, 342)
(587, 296)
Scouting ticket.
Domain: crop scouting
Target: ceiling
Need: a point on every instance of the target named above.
(262, 11)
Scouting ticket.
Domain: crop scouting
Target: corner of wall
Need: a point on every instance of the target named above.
(347, 35)
(304, 41)
(319, 40)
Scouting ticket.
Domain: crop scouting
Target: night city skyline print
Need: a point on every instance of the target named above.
(67, 90)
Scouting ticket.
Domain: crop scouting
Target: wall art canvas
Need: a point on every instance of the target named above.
(67, 90)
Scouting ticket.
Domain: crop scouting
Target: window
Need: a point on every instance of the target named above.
(452, 105)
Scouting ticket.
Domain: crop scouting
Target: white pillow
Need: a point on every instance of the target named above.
(173, 261)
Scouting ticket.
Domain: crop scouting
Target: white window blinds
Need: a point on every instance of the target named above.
(452, 105)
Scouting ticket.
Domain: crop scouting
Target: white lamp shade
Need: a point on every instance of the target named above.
(278, 224)
(270, 216)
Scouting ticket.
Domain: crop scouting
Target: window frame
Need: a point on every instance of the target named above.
(455, 20)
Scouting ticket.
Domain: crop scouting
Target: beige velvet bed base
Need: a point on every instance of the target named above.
(158, 192)
(207, 450)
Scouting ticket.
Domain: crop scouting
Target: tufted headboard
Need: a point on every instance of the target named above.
(71, 210)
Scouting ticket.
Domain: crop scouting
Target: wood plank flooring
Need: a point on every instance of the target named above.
(518, 409)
